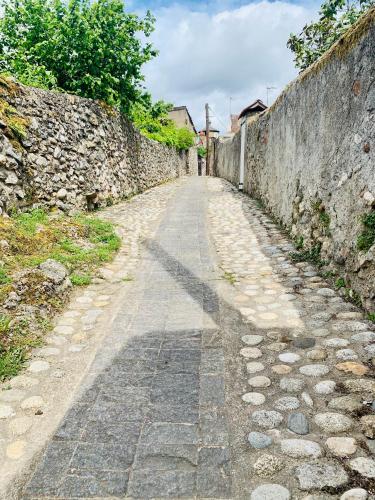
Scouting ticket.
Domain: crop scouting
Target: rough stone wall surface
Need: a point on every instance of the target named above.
(77, 152)
(310, 158)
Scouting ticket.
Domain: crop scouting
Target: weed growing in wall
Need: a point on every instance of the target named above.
(367, 238)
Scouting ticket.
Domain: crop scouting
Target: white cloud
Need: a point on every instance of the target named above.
(209, 57)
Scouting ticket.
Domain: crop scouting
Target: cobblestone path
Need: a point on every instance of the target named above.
(227, 374)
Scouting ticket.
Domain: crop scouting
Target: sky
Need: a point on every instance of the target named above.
(225, 53)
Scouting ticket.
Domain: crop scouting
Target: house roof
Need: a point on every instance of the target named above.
(256, 107)
(184, 108)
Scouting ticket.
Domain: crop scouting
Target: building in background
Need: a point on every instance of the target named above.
(214, 134)
(253, 109)
(181, 116)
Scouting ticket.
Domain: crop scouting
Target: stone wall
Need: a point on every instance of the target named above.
(64, 151)
(310, 158)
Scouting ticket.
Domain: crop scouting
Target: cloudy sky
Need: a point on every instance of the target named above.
(225, 53)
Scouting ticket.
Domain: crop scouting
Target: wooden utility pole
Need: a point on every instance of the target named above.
(207, 140)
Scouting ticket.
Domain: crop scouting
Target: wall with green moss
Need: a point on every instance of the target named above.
(311, 160)
(66, 152)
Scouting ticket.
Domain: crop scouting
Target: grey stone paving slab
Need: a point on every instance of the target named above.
(151, 423)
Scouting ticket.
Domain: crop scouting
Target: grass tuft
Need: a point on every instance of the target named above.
(367, 238)
(82, 243)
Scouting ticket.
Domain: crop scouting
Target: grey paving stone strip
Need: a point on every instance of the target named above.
(150, 420)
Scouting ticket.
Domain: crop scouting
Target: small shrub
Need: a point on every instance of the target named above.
(371, 317)
(80, 279)
(312, 255)
(367, 238)
(11, 363)
(340, 283)
(4, 278)
(324, 218)
(299, 243)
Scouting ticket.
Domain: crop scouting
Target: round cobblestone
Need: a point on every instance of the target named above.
(314, 370)
(333, 422)
(254, 398)
(270, 492)
(268, 419)
(258, 440)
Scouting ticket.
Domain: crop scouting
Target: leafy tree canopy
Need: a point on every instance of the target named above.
(335, 17)
(91, 48)
(153, 122)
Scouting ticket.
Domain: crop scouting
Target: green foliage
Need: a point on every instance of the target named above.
(340, 283)
(324, 219)
(11, 362)
(153, 122)
(93, 49)
(335, 18)
(202, 152)
(230, 277)
(367, 238)
(28, 222)
(312, 255)
(80, 279)
(299, 242)
(371, 317)
(4, 278)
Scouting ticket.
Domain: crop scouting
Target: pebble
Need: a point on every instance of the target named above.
(32, 403)
(259, 381)
(64, 330)
(316, 355)
(365, 466)
(24, 382)
(254, 398)
(346, 354)
(336, 342)
(277, 346)
(287, 403)
(304, 342)
(350, 367)
(251, 352)
(254, 367)
(20, 425)
(12, 395)
(258, 440)
(325, 387)
(6, 411)
(38, 366)
(341, 446)
(16, 449)
(333, 422)
(289, 357)
(57, 340)
(314, 370)
(292, 384)
(363, 337)
(300, 448)
(326, 292)
(267, 465)
(48, 351)
(321, 475)
(346, 403)
(320, 332)
(267, 419)
(307, 399)
(370, 350)
(281, 369)
(368, 426)
(360, 385)
(252, 339)
(298, 423)
(354, 494)
(270, 492)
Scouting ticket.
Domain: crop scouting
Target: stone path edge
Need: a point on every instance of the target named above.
(62, 375)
